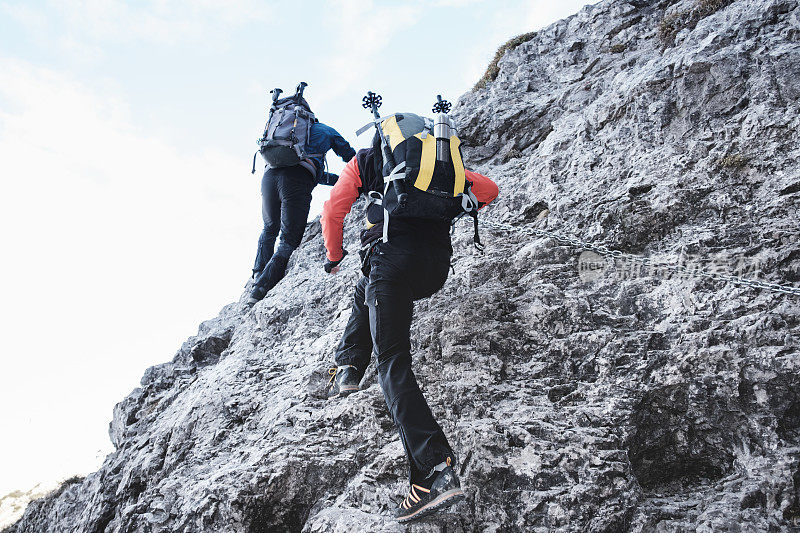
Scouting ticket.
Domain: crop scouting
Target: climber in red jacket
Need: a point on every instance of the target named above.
(410, 264)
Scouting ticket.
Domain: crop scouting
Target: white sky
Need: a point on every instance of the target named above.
(127, 210)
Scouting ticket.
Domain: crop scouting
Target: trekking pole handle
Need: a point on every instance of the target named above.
(300, 88)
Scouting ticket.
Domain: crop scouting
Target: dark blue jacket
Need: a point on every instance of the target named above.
(321, 139)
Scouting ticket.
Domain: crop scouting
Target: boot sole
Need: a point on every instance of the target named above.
(444, 500)
(343, 393)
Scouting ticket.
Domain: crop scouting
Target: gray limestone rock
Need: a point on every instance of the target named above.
(629, 402)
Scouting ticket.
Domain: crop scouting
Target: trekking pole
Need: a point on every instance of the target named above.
(373, 101)
(441, 106)
(442, 128)
(276, 92)
(298, 92)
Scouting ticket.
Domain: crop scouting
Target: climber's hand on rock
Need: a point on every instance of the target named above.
(332, 267)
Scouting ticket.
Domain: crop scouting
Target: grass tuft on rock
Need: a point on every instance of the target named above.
(65, 485)
(676, 21)
(710, 6)
(670, 25)
(494, 67)
(732, 161)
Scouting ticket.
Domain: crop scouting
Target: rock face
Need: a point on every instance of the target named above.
(623, 403)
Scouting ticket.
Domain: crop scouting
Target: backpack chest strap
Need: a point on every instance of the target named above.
(397, 173)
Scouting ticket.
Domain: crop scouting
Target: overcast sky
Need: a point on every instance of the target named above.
(128, 213)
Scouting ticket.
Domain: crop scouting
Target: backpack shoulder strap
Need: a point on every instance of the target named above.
(427, 162)
(458, 165)
(392, 131)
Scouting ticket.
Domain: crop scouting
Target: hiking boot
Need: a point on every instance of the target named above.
(444, 491)
(257, 295)
(344, 380)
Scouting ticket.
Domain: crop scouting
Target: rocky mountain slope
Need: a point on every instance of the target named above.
(625, 403)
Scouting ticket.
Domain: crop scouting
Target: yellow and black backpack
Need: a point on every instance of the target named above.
(424, 155)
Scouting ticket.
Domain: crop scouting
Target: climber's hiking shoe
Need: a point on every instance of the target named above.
(256, 296)
(445, 491)
(344, 380)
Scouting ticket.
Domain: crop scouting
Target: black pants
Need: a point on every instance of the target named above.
(401, 271)
(285, 201)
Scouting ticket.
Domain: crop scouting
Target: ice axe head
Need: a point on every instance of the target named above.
(276, 93)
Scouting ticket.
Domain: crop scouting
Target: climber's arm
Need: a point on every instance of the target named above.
(484, 189)
(343, 195)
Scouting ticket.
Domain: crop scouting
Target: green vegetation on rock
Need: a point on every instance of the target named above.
(494, 68)
(676, 21)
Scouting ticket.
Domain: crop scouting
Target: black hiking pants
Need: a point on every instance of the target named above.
(285, 201)
(401, 271)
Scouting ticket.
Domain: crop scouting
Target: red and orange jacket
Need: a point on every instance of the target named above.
(360, 177)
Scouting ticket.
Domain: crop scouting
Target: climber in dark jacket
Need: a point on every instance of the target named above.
(285, 201)
(412, 264)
